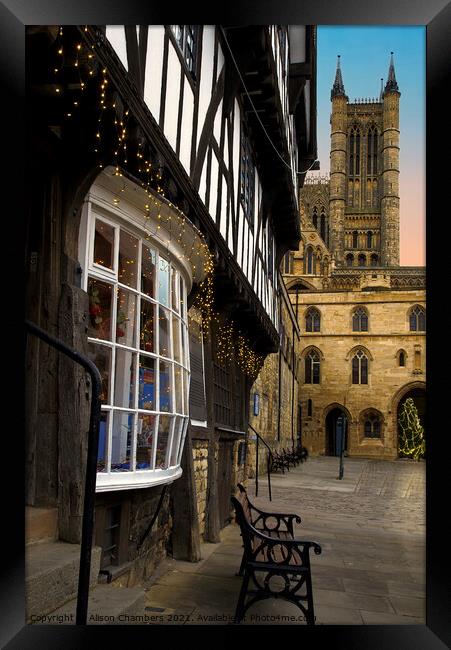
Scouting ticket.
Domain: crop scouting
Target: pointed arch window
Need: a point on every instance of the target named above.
(374, 259)
(362, 260)
(355, 239)
(369, 239)
(360, 368)
(371, 425)
(372, 152)
(309, 408)
(401, 358)
(349, 259)
(354, 152)
(315, 217)
(417, 319)
(312, 367)
(312, 320)
(360, 320)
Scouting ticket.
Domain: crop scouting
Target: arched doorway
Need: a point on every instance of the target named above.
(336, 425)
(418, 394)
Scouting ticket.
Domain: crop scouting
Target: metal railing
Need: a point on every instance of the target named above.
(268, 461)
(91, 465)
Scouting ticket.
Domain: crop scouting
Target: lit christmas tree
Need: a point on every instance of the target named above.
(411, 441)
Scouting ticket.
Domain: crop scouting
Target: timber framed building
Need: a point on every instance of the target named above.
(151, 164)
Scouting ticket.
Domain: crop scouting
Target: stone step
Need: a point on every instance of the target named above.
(41, 525)
(51, 570)
(107, 605)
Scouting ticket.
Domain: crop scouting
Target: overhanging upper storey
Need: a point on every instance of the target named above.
(275, 71)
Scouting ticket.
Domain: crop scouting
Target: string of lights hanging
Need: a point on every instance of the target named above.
(169, 228)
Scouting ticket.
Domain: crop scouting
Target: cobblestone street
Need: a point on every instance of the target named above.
(370, 524)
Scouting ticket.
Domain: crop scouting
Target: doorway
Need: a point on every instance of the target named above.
(336, 427)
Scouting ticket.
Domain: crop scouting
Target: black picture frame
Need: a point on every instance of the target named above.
(436, 16)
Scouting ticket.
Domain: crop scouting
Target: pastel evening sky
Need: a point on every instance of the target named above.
(365, 57)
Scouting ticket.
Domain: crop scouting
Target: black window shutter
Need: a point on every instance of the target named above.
(197, 401)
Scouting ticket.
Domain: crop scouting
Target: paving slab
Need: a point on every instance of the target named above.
(371, 527)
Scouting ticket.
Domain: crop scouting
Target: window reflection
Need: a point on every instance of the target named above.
(163, 282)
(148, 271)
(161, 462)
(145, 440)
(165, 386)
(121, 441)
(104, 244)
(146, 397)
(100, 298)
(128, 259)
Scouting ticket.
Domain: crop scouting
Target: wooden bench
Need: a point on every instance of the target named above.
(277, 563)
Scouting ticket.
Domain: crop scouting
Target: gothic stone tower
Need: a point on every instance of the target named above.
(364, 176)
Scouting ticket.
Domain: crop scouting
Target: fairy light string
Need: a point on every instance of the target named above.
(232, 343)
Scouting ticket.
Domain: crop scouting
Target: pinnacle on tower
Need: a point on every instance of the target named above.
(338, 89)
(381, 94)
(391, 81)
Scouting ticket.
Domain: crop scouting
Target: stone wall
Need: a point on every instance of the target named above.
(277, 420)
(388, 333)
(200, 461)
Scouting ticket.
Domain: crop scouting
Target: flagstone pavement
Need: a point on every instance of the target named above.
(371, 526)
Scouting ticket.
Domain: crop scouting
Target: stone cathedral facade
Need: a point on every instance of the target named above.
(361, 315)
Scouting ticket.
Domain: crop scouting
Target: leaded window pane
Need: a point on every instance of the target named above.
(355, 370)
(421, 321)
(147, 326)
(146, 383)
(103, 442)
(165, 386)
(316, 372)
(124, 382)
(164, 424)
(363, 322)
(308, 370)
(100, 308)
(125, 317)
(163, 282)
(104, 244)
(363, 370)
(100, 355)
(128, 259)
(164, 333)
(148, 268)
(145, 440)
(121, 441)
(316, 322)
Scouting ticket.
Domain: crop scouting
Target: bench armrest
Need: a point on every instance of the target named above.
(282, 552)
(265, 520)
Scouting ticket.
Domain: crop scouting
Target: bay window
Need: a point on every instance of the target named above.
(138, 338)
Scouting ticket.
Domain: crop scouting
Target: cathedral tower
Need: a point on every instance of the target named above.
(364, 176)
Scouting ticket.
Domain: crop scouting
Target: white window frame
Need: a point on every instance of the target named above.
(99, 206)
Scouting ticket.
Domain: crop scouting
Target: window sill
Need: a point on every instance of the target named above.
(136, 480)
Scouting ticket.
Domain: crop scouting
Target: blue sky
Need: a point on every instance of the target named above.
(365, 57)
